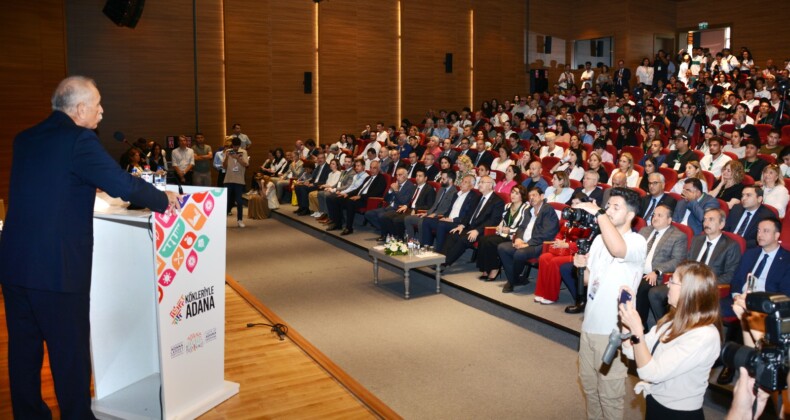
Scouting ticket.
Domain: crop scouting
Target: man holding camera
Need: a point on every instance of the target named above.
(616, 258)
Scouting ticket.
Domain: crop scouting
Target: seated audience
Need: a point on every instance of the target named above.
(655, 196)
(392, 222)
(505, 185)
(745, 216)
(693, 170)
(589, 188)
(691, 210)
(560, 190)
(349, 202)
(535, 177)
(460, 212)
(440, 207)
(730, 187)
(753, 165)
(487, 257)
(502, 162)
(626, 166)
(398, 195)
(774, 191)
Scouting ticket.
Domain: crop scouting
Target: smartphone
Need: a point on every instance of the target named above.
(625, 297)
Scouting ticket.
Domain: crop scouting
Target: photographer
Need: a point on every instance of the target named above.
(674, 359)
(616, 259)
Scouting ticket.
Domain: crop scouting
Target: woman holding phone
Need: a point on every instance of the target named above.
(674, 359)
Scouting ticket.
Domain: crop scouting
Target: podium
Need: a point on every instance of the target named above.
(158, 308)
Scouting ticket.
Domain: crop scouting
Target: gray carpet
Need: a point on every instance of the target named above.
(448, 355)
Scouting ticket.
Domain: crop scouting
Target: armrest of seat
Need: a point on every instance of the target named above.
(489, 230)
(724, 290)
(666, 277)
(422, 212)
(373, 203)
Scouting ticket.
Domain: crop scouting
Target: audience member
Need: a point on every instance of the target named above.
(392, 223)
(184, 161)
(316, 180)
(487, 257)
(589, 188)
(460, 212)
(399, 195)
(440, 207)
(235, 164)
(351, 201)
(745, 216)
(753, 165)
(691, 210)
(730, 187)
(774, 190)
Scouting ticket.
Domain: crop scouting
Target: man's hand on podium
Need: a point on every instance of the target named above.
(173, 204)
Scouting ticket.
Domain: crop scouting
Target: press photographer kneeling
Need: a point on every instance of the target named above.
(674, 359)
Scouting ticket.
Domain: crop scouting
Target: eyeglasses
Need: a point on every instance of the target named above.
(676, 283)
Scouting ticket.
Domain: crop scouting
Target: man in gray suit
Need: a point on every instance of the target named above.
(667, 247)
(720, 252)
(441, 206)
(691, 210)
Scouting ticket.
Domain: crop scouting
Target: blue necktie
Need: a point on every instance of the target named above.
(744, 224)
(761, 266)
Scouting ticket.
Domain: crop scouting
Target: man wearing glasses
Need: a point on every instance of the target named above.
(656, 196)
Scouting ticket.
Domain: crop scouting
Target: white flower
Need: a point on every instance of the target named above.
(394, 246)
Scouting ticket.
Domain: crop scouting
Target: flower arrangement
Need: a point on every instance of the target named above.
(396, 248)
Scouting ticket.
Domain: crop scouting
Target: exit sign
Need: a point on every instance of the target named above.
(703, 25)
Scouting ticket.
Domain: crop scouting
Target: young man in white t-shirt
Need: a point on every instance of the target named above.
(616, 259)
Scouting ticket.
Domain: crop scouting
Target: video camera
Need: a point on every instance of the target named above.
(582, 219)
(768, 361)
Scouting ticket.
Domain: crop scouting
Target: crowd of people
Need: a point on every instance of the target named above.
(684, 168)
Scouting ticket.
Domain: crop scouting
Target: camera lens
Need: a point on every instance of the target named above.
(734, 355)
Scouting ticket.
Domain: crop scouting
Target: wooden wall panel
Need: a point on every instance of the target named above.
(500, 71)
(248, 79)
(646, 19)
(430, 30)
(146, 75)
(32, 63)
(760, 25)
(376, 66)
(357, 66)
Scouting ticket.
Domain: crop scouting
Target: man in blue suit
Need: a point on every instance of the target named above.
(46, 249)
(691, 210)
(399, 194)
(465, 201)
(746, 215)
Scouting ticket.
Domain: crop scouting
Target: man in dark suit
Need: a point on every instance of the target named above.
(421, 199)
(46, 248)
(440, 207)
(589, 188)
(746, 215)
(762, 268)
(482, 155)
(399, 194)
(667, 247)
(447, 150)
(317, 179)
(466, 151)
(718, 251)
(395, 163)
(373, 186)
(461, 210)
(656, 196)
(622, 79)
(414, 165)
(691, 210)
(431, 170)
(488, 212)
(385, 163)
(416, 147)
(540, 224)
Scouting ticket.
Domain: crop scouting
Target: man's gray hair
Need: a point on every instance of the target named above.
(71, 91)
(658, 175)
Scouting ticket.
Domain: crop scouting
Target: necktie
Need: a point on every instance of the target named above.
(477, 210)
(479, 156)
(367, 185)
(649, 212)
(652, 241)
(414, 197)
(761, 266)
(744, 224)
(704, 259)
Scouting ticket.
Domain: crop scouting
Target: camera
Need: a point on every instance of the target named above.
(767, 362)
(579, 217)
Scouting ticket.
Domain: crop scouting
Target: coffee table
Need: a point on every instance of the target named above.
(406, 263)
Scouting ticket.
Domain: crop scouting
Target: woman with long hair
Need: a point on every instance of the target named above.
(693, 170)
(729, 187)
(674, 359)
(774, 190)
(487, 256)
(651, 166)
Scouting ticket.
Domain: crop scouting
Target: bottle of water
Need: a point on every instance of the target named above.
(148, 176)
(160, 181)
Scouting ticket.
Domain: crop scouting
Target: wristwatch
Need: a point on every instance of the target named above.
(635, 340)
(658, 273)
(600, 212)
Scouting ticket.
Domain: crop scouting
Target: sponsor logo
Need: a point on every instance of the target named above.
(177, 349)
(211, 335)
(193, 304)
(194, 342)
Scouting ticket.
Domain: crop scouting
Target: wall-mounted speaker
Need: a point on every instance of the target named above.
(124, 12)
(308, 82)
(448, 63)
(547, 45)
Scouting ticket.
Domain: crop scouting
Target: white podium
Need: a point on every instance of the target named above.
(158, 309)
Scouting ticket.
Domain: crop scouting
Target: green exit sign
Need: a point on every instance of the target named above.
(703, 25)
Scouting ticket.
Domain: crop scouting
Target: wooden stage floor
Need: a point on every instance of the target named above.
(278, 379)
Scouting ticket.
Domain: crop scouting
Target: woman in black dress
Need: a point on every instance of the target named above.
(487, 256)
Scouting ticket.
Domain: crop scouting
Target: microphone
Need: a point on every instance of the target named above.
(615, 339)
(120, 137)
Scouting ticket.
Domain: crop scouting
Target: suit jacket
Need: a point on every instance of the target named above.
(452, 154)
(670, 250)
(469, 205)
(431, 172)
(724, 257)
(665, 199)
(443, 203)
(402, 196)
(778, 279)
(489, 215)
(750, 235)
(469, 152)
(385, 164)
(319, 176)
(47, 243)
(546, 226)
(486, 158)
(596, 195)
(425, 199)
(698, 208)
(413, 169)
(377, 187)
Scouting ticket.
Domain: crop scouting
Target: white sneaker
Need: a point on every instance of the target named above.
(241, 224)
(544, 301)
(316, 214)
